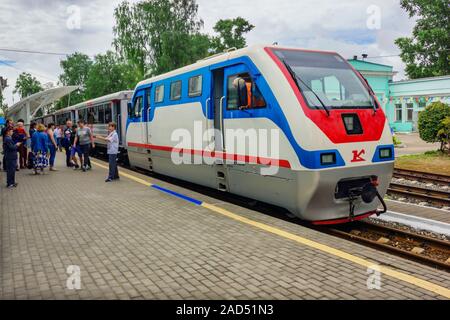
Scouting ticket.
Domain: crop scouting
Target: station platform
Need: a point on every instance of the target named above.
(440, 215)
(145, 238)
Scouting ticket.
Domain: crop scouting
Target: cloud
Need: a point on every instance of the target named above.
(321, 24)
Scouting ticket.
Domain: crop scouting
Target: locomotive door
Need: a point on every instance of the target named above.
(236, 79)
(147, 115)
(216, 101)
(136, 117)
(225, 100)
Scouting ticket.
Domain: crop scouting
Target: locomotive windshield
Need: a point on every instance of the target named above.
(326, 80)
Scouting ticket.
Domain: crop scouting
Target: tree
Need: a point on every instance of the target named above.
(431, 123)
(26, 85)
(231, 34)
(157, 36)
(75, 73)
(427, 52)
(109, 74)
(3, 106)
(444, 134)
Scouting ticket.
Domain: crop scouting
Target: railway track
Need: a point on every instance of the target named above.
(435, 197)
(428, 250)
(438, 179)
(414, 246)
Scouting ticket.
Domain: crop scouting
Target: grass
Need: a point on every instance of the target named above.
(396, 140)
(431, 161)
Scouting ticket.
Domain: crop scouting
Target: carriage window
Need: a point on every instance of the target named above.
(82, 114)
(195, 86)
(137, 107)
(91, 116)
(159, 94)
(175, 90)
(101, 115)
(250, 97)
(108, 115)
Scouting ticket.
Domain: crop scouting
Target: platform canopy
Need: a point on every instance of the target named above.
(27, 108)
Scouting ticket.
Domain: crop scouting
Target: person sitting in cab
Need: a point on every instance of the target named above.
(247, 98)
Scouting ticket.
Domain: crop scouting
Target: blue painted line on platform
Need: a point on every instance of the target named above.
(178, 195)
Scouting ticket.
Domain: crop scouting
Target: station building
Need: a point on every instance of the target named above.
(403, 100)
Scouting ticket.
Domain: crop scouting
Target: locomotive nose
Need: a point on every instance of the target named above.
(364, 188)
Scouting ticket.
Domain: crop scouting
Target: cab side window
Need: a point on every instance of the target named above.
(137, 107)
(243, 93)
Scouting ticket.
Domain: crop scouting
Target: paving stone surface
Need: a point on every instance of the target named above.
(133, 242)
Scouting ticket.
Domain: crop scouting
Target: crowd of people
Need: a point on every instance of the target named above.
(36, 149)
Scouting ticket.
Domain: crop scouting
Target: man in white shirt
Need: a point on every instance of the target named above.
(113, 149)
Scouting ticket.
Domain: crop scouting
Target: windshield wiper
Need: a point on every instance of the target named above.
(297, 78)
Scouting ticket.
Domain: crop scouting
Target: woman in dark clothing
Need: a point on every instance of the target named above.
(10, 149)
(32, 129)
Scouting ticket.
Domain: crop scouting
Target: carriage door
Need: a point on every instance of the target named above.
(117, 116)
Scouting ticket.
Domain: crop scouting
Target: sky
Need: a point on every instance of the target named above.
(349, 27)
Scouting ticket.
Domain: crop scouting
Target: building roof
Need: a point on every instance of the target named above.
(41, 99)
(370, 66)
(447, 77)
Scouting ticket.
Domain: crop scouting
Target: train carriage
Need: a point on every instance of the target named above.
(334, 157)
(63, 115)
(97, 113)
(45, 120)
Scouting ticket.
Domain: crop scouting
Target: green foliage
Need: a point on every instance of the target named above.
(3, 106)
(157, 36)
(150, 37)
(75, 72)
(396, 141)
(431, 122)
(109, 74)
(427, 52)
(26, 85)
(230, 34)
(444, 133)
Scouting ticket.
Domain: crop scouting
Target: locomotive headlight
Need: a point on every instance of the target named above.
(385, 153)
(349, 123)
(352, 124)
(328, 158)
